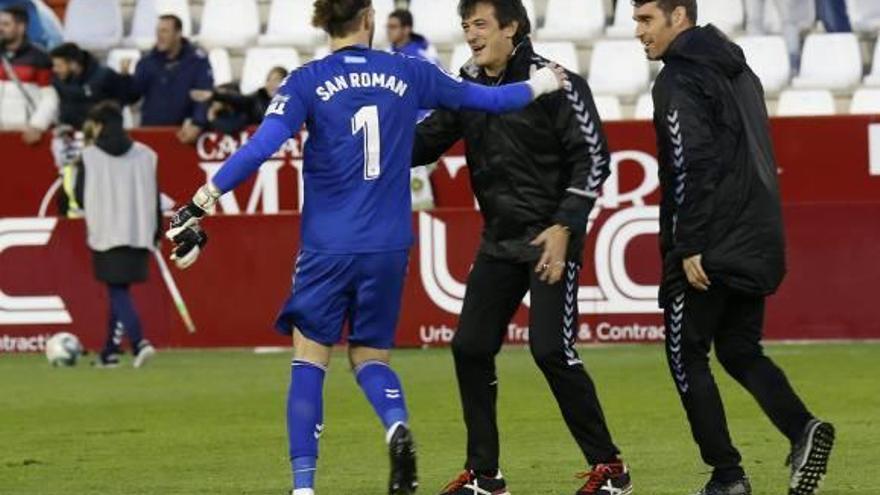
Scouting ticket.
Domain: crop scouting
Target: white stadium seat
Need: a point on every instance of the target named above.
(221, 65)
(644, 107)
(865, 101)
(619, 67)
(805, 102)
(573, 20)
(624, 26)
(229, 23)
(259, 61)
(726, 15)
(288, 25)
(530, 11)
(383, 10)
(460, 56)
(117, 55)
(830, 61)
(608, 107)
(146, 15)
(93, 24)
(768, 58)
(321, 52)
(437, 20)
(873, 79)
(562, 53)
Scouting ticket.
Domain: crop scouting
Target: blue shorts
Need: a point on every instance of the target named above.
(330, 289)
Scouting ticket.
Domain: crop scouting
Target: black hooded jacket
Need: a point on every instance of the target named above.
(530, 169)
(717, 169)
(78, 94)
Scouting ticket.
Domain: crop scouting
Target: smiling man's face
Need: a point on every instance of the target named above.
(491, 44)
(656, 29)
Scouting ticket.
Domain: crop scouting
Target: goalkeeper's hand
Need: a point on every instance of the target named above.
(184, 230)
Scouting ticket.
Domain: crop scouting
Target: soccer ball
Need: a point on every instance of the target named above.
(63, 349)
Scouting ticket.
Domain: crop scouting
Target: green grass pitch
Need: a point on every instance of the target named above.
(212, 422)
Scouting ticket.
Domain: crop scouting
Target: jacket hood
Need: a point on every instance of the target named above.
(708, 46)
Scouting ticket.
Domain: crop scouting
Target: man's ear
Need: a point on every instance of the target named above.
(510, 30)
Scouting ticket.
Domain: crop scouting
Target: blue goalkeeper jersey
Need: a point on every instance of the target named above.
(359, 106)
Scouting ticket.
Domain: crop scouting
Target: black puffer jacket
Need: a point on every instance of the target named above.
(717, 170)
(529, 169)
(78, 94)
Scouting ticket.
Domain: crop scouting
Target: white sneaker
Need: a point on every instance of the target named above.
(303, 491)
(145, 352)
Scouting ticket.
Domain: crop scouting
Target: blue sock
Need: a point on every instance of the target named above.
(305, 420)
(382, 388)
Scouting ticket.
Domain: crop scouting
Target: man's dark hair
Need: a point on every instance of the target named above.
(404, 16)
(281, 71)
(667, 6)
(506, 12)
(19, 13)
(70, 52)
(107, 113)
(338, 17)
(178, 24)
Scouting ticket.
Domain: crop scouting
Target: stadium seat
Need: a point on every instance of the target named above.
(437, 20)
(93, 24)
(321, 51)
(865, 101)
(873, 79)
(117, 55)
(288, 25)
(221, 65)
(619, 68)
(383, 10)
(573, 20)
(805, 102)
(768, 58)
(146, 15)
(644, 107)
(608, 107)
(258, 62)
(530, 11)
(624, 26)
(229, 23)
(460, 56)
(563, 53)
(830, 61)
(726, 15)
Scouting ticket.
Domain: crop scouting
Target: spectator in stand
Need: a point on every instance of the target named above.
(404, 40)
(164, 78)
(81, 82)
(44, 28)
(27, 100)
(231, 111)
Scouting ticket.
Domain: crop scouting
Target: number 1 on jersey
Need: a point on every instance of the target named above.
(367, 118)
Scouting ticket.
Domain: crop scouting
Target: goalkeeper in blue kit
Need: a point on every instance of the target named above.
(359, 106)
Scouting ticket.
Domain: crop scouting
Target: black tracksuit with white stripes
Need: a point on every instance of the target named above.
(529, 170)
(720, 199)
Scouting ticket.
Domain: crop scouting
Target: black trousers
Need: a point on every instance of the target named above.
(495, 289)
(734, 322)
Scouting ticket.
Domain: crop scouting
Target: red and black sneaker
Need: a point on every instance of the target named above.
(469, 483)
(606, 479)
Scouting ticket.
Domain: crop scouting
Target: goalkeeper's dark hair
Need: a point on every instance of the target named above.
(667, 6)
(506, 12)
(339, 17)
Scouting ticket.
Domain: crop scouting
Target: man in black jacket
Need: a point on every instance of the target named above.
(536, 174)
(81, 82)
(722, 240)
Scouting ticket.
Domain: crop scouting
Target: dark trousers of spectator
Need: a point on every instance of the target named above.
(833, 15)
(123, 320)
(495, 289)
(734, 322)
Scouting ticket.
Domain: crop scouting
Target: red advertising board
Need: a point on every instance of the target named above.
(831, 196)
